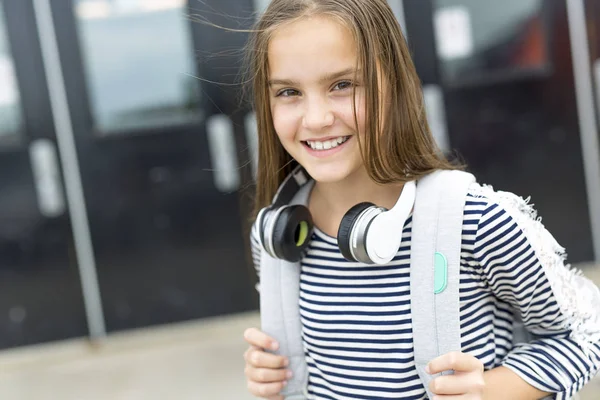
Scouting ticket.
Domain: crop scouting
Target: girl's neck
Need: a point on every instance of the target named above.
(329, 202)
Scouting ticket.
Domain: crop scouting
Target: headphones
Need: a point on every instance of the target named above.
(367, 233)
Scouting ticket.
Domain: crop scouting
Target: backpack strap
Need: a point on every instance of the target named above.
(435, 261)
(435, 267)
(280, 310)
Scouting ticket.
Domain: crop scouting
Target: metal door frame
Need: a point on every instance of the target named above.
(584, 91)
(71, 175)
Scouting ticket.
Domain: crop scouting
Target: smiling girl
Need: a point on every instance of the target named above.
(335, 91)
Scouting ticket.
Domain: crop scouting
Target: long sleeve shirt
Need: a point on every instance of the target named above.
(356, 318)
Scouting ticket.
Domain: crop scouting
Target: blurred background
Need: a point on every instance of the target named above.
(127, 161)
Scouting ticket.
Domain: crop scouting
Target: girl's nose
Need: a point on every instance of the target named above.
(318, 115)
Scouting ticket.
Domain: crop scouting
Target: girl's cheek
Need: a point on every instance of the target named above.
(348, 114)
(277, 120)
(284, 121)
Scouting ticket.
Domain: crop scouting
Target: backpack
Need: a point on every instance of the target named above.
(434, 282)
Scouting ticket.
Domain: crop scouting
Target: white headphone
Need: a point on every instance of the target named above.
(367, 233)
(373, 234)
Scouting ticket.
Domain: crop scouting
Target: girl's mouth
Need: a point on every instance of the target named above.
(326, 144)
(325, 148)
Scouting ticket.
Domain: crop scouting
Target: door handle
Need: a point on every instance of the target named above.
(252, 140)
(221, 143)
(597, 81)
(47, 179)
(433, 96)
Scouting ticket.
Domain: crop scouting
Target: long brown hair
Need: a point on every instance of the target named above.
(399, 146)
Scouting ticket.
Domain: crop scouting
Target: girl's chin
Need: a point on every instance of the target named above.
(329, 173)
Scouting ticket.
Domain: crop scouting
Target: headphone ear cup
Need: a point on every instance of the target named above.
(292, 232)
(261, 221)
(345, 229)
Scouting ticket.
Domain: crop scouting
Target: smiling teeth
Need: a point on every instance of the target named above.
(328, 144)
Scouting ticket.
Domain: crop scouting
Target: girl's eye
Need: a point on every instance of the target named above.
(287, 93)
(343, 85)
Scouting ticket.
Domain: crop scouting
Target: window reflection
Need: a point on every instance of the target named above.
(139, 63)
(489, 39)
(10, 111)
(260, 6)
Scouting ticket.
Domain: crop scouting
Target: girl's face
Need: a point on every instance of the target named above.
(311, 77)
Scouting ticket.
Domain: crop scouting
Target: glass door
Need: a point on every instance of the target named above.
(510, 104)
(159, 149)
(40, 287)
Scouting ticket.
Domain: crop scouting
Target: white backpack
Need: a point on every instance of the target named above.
(434, 281)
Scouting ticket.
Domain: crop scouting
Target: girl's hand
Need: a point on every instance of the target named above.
(264, 371)
(467, 381)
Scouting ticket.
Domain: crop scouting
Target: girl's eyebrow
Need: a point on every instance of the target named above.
(325, 78)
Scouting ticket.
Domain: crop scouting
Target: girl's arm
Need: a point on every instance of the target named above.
(524, 267)
(502, 383)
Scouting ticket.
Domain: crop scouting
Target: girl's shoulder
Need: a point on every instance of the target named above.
(488, 206)
(505, 226)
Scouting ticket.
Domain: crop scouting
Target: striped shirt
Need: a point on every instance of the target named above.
(356, 318)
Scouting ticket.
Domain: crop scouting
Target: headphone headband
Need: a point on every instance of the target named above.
(284, 229)
(290, 186)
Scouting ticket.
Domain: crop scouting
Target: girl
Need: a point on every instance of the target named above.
(335, 90)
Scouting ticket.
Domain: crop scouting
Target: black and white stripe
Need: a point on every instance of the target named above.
(356, 318)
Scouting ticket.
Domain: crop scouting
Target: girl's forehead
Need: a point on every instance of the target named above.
(306, 28)
(309, 47)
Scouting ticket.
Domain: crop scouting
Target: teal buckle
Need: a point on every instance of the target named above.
(441, 273)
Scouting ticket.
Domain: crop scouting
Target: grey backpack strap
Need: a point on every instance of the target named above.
(435, 267)
(280, 311)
